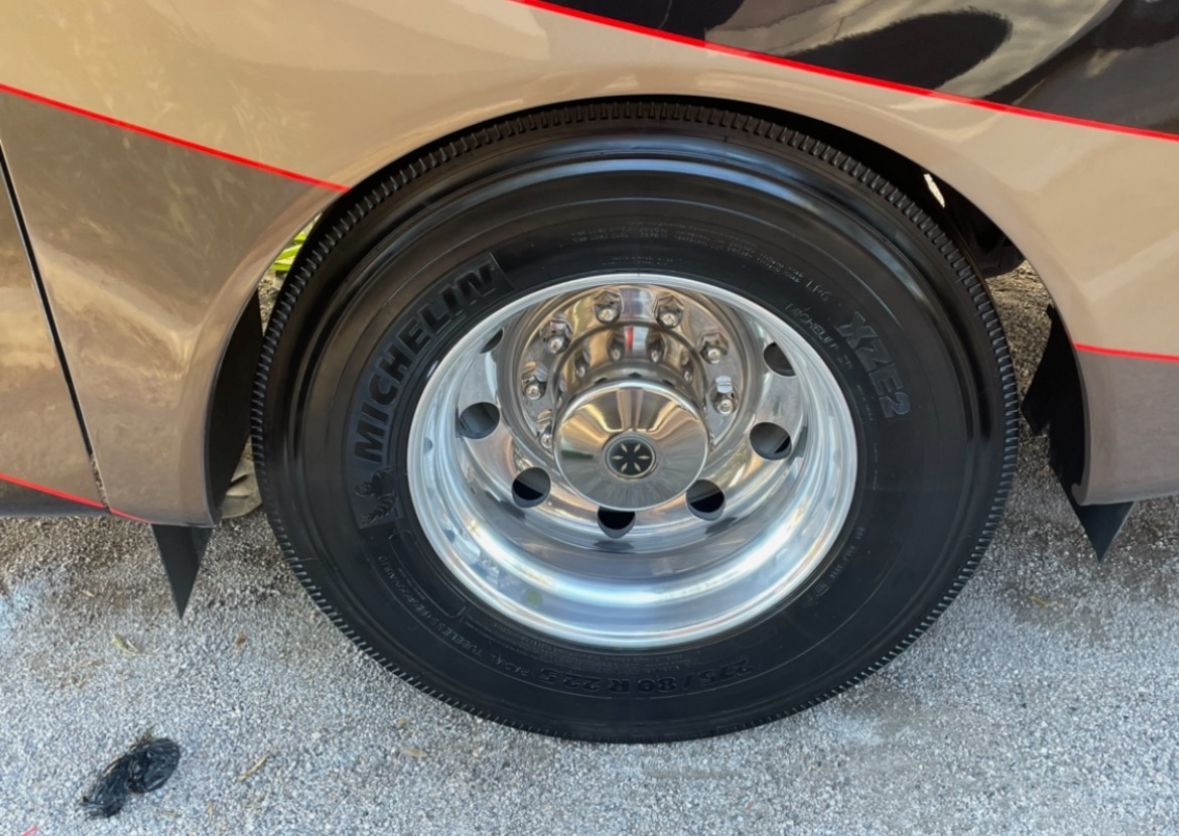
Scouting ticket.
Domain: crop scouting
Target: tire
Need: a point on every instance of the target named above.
(735, 214)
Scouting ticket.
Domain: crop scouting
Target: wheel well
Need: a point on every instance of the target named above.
(979, 238)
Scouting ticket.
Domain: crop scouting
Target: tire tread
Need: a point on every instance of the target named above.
(401, 176)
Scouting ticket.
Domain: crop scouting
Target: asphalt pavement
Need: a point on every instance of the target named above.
(1045, 700)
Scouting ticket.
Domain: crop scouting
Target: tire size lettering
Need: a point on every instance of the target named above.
(647, 685)
(569, 681)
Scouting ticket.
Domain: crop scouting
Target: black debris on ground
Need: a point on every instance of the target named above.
(147, 766)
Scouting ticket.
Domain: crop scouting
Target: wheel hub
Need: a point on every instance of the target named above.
(630, 445)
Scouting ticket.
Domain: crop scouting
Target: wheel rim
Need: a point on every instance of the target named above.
(632, 460)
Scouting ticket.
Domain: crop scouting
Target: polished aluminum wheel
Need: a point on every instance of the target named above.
(632, 460)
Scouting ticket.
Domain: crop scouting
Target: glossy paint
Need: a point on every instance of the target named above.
(135, 239)
(164, 157)
(1080, 58)
(1132, 448)
(44, 466)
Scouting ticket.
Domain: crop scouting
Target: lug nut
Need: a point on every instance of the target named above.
(533, 388)
(669, 313)
(655, 349)
(580, 368)
(555, 336)
(546, 439)
(607, 307)
(617, 347)
(712, 351)
(724, 398)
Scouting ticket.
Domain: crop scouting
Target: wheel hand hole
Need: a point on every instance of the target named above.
(493, 342)
(478, 420)
(776, 359)
(770, 441)
(531, 487)
(615, 523)
(705, 500)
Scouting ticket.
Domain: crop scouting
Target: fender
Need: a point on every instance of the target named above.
(153, 211)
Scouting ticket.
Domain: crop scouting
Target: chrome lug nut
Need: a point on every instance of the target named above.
(713, 351)
(608, 307)
(724, 399)
(669, 312)
(546, 438)
(533, 388)
(556, 336)
(617, 348)
(655, 349)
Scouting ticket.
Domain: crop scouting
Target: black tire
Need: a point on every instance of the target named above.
(877, 288)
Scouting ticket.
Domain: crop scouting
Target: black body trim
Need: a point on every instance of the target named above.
(1081, 61)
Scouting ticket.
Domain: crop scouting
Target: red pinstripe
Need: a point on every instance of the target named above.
(174, 140)
(1125, 354)
(69, 497)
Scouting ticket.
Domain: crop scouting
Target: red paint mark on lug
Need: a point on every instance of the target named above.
(1125, 354)
(174, 140)
(765, 58)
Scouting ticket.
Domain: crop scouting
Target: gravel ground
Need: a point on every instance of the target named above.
(1044, 700)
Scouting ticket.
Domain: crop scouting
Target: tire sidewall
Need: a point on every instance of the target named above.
(892, 316)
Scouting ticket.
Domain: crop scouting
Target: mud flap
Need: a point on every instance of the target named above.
(1102, 523)
(181, 550)
(1054, 404)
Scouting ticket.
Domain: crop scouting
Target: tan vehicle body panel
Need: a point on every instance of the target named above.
(40, 440)
(136, 240)
(150, 250)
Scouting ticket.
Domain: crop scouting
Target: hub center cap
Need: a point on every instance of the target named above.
(631, 457)
(630, 444)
